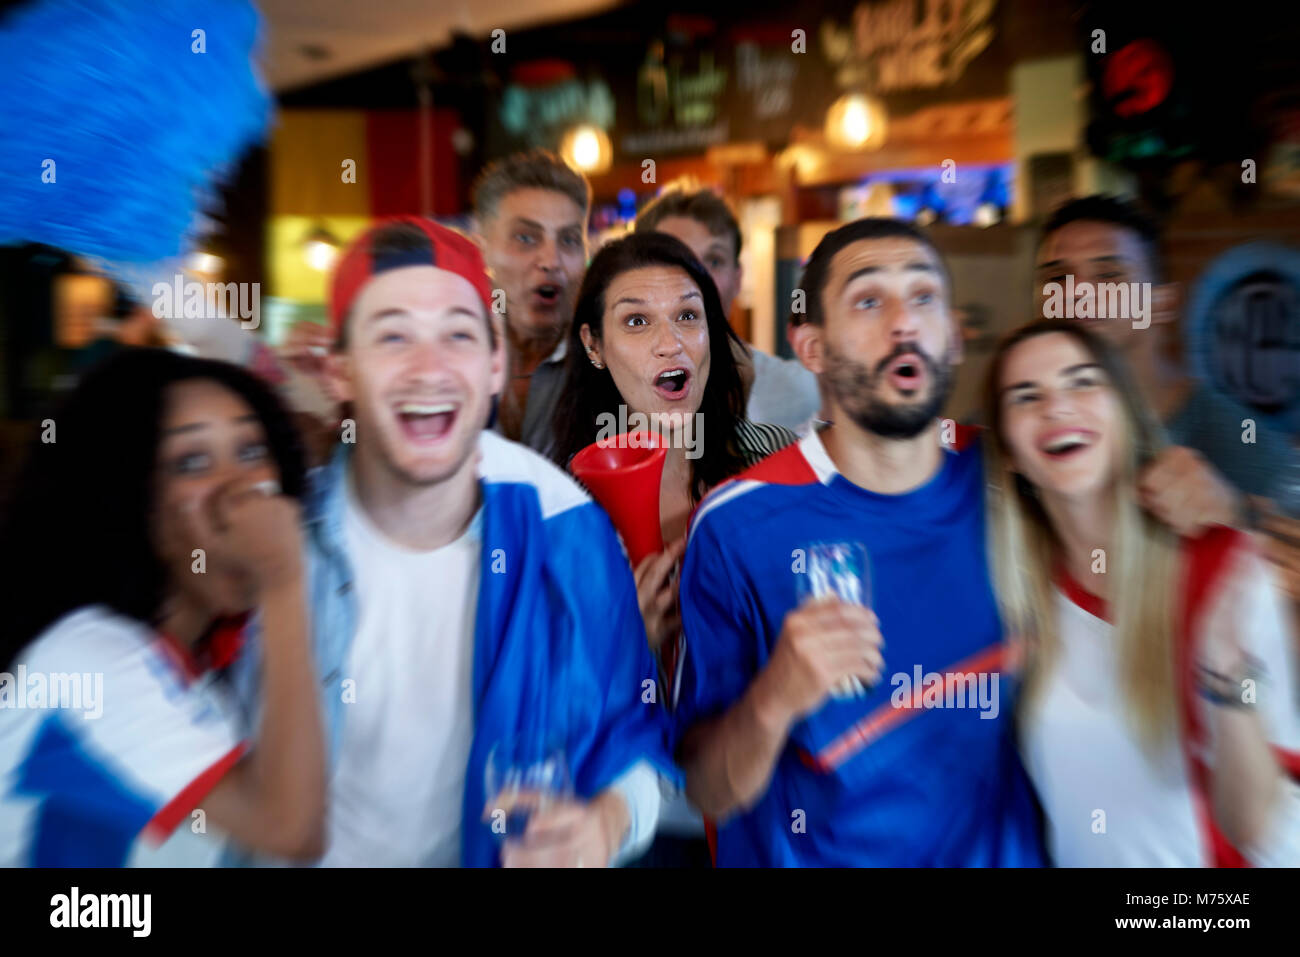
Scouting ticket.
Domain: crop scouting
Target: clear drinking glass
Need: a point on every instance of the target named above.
(521, 777)
(841, 569)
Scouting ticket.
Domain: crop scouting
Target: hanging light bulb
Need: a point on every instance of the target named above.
(320, 248)
(856, 122)
(587, 148)
(204, 263)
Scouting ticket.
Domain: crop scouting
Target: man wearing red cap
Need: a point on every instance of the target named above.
(474, 618)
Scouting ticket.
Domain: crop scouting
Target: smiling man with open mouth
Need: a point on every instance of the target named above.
(439, 548)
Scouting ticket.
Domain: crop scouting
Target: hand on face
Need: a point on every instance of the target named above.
(250, 529)
(213, 457)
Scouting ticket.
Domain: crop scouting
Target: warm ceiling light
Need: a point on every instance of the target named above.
(320, 248)
(587, 148)
(204, 263)
(856, 122)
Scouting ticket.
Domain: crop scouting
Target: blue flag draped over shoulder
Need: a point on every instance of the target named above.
(560, 648)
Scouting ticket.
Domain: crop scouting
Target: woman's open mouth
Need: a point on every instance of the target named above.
(672, 384)
(426, 422)
(1066, 443)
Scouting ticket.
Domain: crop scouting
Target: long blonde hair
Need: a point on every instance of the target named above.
(1143, 565)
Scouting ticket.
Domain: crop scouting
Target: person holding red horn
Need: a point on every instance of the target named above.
(648, 348)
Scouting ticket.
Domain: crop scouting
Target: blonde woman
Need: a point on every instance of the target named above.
(1159, 721)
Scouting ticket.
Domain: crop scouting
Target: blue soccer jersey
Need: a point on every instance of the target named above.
(920, 770)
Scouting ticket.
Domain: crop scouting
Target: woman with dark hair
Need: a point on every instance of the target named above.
(650, 340)
(160, 509)
(1160, 678)
(649, 337)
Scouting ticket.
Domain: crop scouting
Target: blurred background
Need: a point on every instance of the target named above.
(974, 118)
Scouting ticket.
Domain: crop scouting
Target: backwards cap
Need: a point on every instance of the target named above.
(446, 249)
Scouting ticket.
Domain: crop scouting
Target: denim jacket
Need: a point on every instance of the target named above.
(560, 647)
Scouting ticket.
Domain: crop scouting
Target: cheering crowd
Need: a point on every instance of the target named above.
(427, 646)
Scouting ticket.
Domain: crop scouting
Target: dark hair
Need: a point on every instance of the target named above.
(391, 247)
(1112, 211)
(817, 272)
(702, 205)
(589, 392)
(79, 527)
(534, 169)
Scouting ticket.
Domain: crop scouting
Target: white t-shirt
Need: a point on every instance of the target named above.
(395, 799)
(1107, 803)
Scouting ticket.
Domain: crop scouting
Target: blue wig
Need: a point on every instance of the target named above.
(137, 123)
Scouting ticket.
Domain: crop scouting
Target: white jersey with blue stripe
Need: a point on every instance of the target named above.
(107, 744)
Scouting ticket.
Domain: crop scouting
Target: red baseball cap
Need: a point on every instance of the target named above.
(447, 249)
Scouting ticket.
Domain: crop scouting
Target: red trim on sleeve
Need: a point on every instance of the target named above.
(785, 466)
(1205, 559)
(226, 641)
(169, 815)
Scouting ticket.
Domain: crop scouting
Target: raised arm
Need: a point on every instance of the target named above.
(273, 801)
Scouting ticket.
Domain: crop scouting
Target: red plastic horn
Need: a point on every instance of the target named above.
(623, 474)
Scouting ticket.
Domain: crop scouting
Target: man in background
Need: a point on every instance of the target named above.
(530, 219)
(530, 213)
(1102, 239)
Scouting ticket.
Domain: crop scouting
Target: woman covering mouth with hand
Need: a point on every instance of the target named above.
(139, 542)
(1160, 718)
